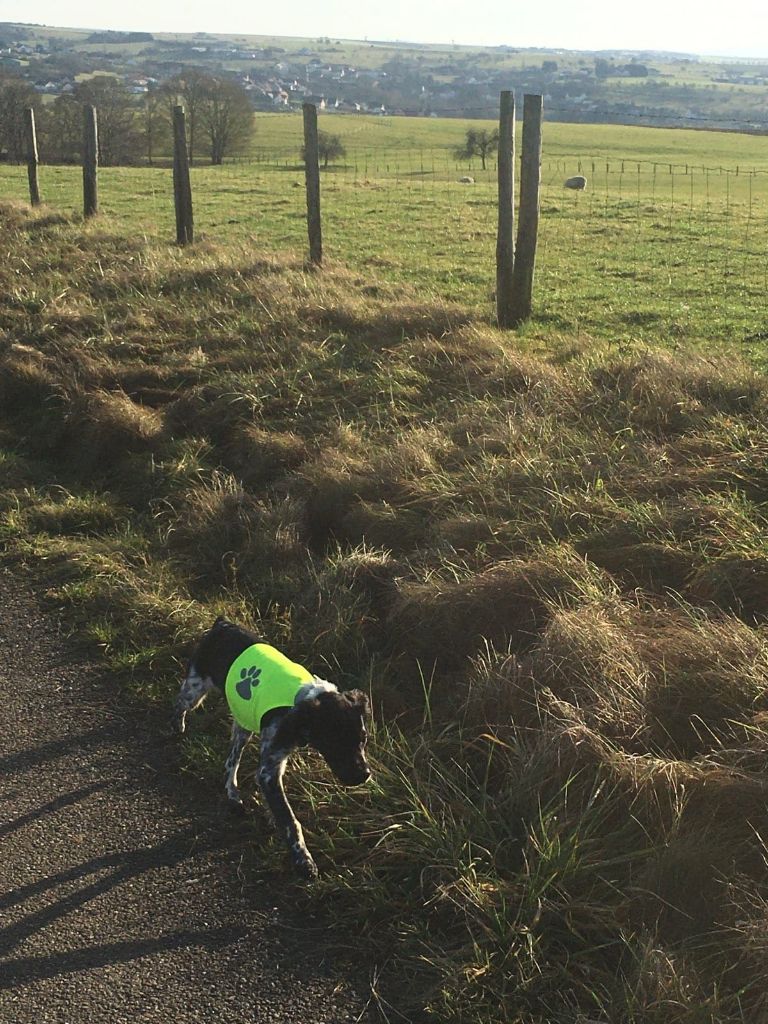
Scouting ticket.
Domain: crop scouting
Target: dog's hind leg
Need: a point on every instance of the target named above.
(240, 739)
(193, 692)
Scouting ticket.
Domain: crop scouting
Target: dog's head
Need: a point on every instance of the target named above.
(334, 724)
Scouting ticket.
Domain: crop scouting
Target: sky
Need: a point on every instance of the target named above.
(740, 29)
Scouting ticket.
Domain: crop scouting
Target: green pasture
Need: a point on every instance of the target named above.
(667, 243)
(279, 135)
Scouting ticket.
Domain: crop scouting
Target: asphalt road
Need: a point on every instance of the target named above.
(125, 894)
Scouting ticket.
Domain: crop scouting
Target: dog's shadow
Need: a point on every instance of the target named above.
(132, 752)
(108, 872)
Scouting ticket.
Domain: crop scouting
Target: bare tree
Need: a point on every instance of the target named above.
(155, 123)
(478, 142)
(119, 132)
(330, 147)
(226, 118)
(15, 96)
(189, 89)
(61, 131)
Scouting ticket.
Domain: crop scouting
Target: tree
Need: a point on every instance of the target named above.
(15, 96)
(188, 89)
(226, 118)
(61, 131)
(478, 142)
(119, 132)
(603, 67)
(330, 147)
(155, 123)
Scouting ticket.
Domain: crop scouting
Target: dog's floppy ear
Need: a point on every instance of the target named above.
(294, 729)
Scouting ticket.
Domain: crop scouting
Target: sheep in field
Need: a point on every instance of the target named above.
(578, 182)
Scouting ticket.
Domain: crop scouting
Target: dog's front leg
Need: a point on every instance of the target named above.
(271, 772)
(240, 738)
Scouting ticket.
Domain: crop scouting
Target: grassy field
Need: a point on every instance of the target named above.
(667, 243)
(543, 553)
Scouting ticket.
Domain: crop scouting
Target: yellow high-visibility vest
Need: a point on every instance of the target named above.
(260, 680)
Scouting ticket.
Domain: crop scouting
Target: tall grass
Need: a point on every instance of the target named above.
(545, 562)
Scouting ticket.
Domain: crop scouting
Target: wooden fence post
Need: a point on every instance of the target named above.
(528, 214)
(182, 187)
(32, 161)
(505, 239)
(90, 162)
(312, 172)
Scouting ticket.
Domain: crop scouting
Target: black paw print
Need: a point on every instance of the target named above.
(249, 678)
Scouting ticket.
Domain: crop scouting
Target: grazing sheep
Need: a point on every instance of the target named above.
(467, 180)
(578, 182)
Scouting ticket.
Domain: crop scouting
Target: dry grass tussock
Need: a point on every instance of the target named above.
(440, 623)
(665, 682)
(672, 827)
(668, 396)
(229, 534)
(546, 560)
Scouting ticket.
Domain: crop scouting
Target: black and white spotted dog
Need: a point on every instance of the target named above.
(320, 716)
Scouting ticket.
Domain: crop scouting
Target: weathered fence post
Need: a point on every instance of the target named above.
(31, 148)
(505, 239)
(182, 187)
(528, 214)
(90, 162)
(312, 172)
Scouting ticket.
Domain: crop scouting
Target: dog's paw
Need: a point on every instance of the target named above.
(236, 808)
(304, 866)
(235, 803)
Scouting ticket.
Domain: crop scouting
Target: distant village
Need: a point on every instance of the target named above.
(577, 87)
(277, 82)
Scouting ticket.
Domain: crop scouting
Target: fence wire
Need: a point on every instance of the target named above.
(647, 248)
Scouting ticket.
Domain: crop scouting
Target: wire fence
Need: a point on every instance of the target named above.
(647, 249)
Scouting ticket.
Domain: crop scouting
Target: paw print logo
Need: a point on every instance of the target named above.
(249, 680)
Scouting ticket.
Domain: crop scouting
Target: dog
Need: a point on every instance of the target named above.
(288, 707)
